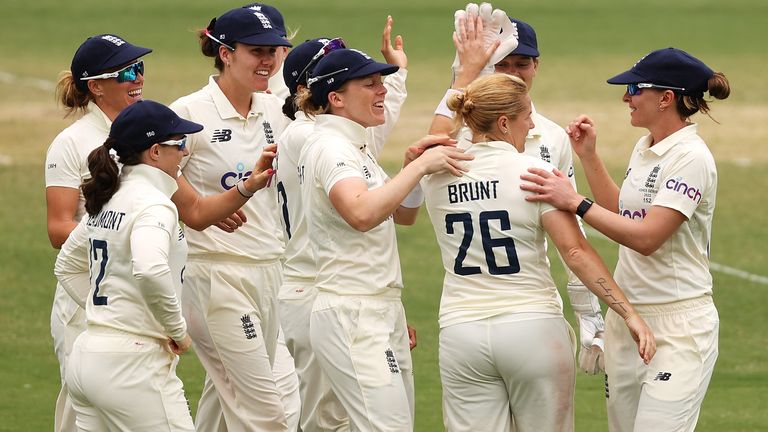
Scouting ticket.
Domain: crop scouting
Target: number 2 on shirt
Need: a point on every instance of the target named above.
(489, 243)
(97, 245)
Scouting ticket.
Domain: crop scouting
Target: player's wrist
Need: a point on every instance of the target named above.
(243, 189)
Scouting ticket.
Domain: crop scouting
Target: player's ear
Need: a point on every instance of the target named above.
(96, 88)
(335, 100)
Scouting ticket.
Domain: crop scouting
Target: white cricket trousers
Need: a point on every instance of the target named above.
(231, 310)
(512, 372)
(124, 382)
(67, 322)
(666, 395)
(321, 410)
(362, 346)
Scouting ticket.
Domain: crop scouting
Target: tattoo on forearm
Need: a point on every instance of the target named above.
(609, 294)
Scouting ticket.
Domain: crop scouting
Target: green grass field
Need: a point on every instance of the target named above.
(582, 43)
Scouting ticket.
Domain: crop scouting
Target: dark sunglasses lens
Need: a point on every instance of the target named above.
(333, 45)
(633, 89)
(131, 72)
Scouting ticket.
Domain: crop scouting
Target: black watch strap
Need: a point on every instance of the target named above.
(581, 210)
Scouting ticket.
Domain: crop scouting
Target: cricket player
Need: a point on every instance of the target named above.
(232, 279)
(121, 373)
(321, 410)
(662, 218)
(357, 326)
(517, 54)
(498, 295)
(106, 75)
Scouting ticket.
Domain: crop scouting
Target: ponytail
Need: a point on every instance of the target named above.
(69, 95)
(105, 176)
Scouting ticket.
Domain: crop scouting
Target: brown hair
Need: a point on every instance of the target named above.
(717, 87)
(303, 101)
(210, 48)
(105, 176)
(70, 96)
(486, 99)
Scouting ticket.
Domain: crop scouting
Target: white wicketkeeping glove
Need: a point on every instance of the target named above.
(496, 27)
(586, 307)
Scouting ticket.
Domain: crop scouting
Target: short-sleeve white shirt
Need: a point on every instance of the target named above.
(349, 262)
(66, 162)
(679, 173)
(222, 154)
(491, 239)
(115, 299)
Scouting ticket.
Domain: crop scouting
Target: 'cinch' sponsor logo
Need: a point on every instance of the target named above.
(677, 185)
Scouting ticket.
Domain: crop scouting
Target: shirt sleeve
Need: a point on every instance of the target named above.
(150, 247)
(335, 163)
(684, 182)
(63, 163)
(393, 103)
(71, 267)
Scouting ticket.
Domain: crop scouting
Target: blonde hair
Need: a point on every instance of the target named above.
(486, 99)
(69, 95)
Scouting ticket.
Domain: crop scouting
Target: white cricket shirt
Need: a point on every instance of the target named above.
(222, 154)
(349, 262)
(491, 239)
(679, 173)
(66, 163)
(299, 263)
(137, 252)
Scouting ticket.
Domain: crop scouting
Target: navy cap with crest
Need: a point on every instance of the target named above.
(247, 26)
(144, 123)
(272, 13)
(297, 60)
(99, 54)
(670, 67)
(527, 44)
(340, 66)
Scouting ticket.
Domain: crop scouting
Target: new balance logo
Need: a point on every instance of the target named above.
(663, 376)
(392, 361)
(248, 327)
(221, 135)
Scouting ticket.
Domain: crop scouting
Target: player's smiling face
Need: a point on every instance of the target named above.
(252, 65)
(362, 101)
(113, 96)
(643, 107)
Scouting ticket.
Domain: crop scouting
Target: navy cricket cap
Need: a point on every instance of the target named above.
(527, 45)
(101, 53)
(272, 13)
(340, 66)
(297, 61)
(669, 67)
(146, 122)
(247, 26)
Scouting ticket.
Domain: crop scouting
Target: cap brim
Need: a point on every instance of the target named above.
(525, 50)
(125, 56)
(184, 127)
(265, 39)
(373, 68)
(627, 77)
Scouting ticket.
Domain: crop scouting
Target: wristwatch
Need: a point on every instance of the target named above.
(585, 204)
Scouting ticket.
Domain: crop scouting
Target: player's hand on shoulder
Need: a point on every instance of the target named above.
(394, 55)
(417, 149)
(444, 158)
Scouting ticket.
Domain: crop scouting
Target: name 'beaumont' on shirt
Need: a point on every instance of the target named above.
(472, 191)
(107, 219)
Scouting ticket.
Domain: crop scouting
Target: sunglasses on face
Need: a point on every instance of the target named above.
(128, 73)
(331, 45)
(635, 89)
(181, 143)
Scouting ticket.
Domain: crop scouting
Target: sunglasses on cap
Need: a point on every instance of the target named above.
(128, 73)
(331, 45)
(313, 80)
(181, 143)
(635, 89)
